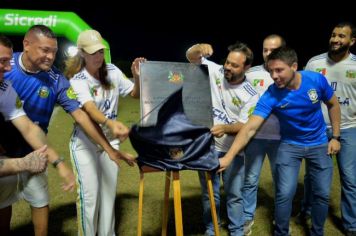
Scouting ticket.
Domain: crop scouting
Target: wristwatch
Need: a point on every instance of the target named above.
(56, 162)
(338, 138)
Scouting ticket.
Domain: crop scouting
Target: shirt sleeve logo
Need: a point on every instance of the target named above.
(18, 103)
(250, 111)
(70, 93)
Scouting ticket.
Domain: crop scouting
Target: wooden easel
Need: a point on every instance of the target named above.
(176, 200)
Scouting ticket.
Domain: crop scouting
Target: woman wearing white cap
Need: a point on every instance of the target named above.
(97, 86)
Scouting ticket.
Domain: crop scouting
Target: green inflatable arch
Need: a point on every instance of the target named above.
(65, 24)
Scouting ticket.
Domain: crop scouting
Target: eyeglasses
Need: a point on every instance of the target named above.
(5, 61)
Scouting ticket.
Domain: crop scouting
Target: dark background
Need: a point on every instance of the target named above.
(162, 32)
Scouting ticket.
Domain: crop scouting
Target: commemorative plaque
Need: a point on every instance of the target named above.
(158, 80)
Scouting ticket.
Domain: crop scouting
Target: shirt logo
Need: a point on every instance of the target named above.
(321, 70)
(313, 96)
(351, 74)
(93, 92)
(259, 82)
(284, 105)
(43, 92)
(344, 101)
(71, 94)
(236, 101)
(18, 103)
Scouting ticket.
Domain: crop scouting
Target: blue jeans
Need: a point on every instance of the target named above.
(320, 169)
(233, 178)
(255, 153)
(346, 161)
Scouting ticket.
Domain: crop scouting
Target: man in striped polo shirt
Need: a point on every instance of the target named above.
(233, 99)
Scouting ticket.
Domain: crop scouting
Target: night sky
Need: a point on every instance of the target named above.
(134, 31)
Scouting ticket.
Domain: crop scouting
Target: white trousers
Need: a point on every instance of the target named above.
(96, 176)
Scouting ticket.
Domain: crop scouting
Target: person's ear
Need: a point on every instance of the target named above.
(294, 66)
(26, 44)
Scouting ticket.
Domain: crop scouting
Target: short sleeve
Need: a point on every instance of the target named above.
(10, 103)
(66, 96)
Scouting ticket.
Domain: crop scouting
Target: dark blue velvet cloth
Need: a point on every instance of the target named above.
(174, 143)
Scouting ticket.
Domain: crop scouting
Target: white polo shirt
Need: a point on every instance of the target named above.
(87, 88)
(260, 79)
(231, 103)
(10, 103)
(342, 78)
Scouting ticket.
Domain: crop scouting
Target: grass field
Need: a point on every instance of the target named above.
(63, 210)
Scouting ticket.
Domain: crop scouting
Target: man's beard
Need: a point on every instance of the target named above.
(229, 79)
(341, 50)
(233, 77)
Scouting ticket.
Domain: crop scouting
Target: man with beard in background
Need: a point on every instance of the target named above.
(338, 65)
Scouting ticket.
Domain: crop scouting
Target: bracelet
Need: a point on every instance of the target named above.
(338, 138)
(56, 162)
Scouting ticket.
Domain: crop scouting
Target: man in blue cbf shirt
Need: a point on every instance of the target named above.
(40, 86)
(295, 98)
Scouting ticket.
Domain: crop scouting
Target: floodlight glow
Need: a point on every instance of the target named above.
(72, 51)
